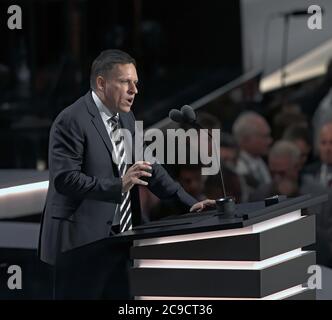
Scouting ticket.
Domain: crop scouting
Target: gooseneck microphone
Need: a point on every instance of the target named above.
(298, 13)
(188, 115)
(295, 13)
(175, 115)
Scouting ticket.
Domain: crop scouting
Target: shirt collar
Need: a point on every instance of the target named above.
(105, 113)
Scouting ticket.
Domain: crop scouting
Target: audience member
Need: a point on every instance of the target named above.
(321, 171)
(289, 115)
(284, 164)
(300, 136)
(252, 134)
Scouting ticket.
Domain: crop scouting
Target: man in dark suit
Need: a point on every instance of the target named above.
(321, 171)
(92, 191)
(253, 136)
(284, 162)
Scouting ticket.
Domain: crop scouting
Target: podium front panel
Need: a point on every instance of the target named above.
(224, 280)
(261, 261)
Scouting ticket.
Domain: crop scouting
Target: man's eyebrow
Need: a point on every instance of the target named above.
(124, 78)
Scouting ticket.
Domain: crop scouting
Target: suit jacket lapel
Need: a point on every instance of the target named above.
(98, 122)
(99, 125)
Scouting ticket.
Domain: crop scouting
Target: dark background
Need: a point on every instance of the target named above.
(184, 50)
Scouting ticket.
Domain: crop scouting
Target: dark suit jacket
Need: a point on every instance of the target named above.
(312, 170)
(84, 183)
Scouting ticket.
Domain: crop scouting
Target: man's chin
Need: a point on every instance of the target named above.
(125, 109)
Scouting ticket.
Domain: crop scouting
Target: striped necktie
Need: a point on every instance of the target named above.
(123, 209)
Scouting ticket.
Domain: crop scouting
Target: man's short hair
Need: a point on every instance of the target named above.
(285, 148)
(245, 125)
(105, 62)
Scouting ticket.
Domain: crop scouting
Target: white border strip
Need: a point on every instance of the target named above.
(255, 228)
(219, 265)
(23, 200)
(23, 189)
(310, 65)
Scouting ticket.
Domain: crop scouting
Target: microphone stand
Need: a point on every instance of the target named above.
(225, 205)
(197, 125)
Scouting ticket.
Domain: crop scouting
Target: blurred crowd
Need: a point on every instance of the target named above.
(284, 152)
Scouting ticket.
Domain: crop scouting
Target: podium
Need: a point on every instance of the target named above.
(260, 253)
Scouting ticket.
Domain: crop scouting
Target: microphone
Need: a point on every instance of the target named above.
(175, 115)
(297, 13)
(188, 115)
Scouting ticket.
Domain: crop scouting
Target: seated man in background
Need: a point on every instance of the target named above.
(321, 171)
(284, 163)
(252, 134)
(300, 136)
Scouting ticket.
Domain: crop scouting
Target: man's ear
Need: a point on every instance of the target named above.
(100, 83)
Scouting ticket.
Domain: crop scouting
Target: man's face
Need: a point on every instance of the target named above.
(284, 172)
(325, 144)
(283, 167)
(118, 88)
(258, 143)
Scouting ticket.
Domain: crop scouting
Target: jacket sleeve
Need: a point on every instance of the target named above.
(161, 184)
(164, 187)
(66, 160)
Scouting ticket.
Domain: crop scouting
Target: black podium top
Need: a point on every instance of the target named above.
(248, 214)
(251, 213)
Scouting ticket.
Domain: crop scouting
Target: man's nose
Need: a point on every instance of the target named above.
(133, 88)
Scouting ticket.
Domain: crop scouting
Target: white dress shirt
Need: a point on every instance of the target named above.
(106, 114)
(255, 166)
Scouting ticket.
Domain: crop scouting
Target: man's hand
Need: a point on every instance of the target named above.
(199, 206)
(133, 174)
